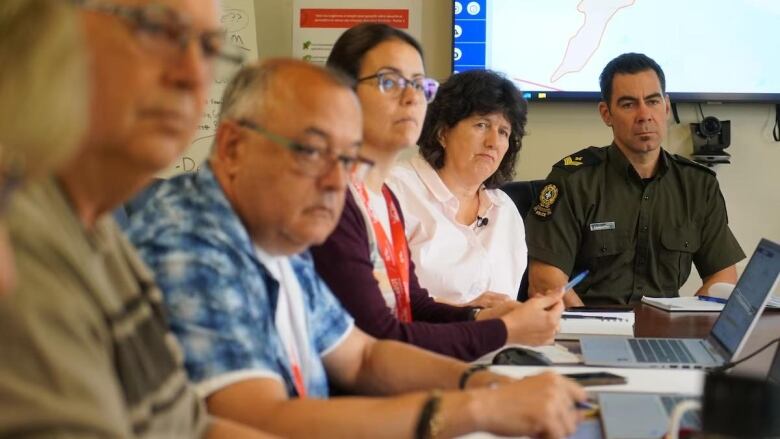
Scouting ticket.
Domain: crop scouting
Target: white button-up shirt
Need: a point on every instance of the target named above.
(457, 262)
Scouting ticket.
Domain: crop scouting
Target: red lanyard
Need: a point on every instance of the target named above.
(395, 255)
(297, 373)
(292, 352)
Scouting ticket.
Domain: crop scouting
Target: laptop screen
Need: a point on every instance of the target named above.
(749, 296)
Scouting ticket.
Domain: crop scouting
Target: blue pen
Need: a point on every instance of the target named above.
(585, 405)
(577, 279)
(711, 299)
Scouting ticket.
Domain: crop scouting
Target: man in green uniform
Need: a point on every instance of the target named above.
(633, 214)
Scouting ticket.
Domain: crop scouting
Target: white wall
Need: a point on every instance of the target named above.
(751, 184)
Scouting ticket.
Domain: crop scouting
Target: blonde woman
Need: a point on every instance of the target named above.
(42, 97)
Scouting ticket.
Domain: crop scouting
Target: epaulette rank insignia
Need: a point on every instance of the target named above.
(575, 161)
(547, 198)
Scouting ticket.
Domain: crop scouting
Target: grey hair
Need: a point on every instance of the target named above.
(246, 91)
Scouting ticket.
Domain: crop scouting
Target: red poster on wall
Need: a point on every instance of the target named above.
(346, 18)
(318, 23)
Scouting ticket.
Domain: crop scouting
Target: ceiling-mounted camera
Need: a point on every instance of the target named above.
(710, 137)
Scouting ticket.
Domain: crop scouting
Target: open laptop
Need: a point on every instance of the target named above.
(646, 415)
(726, 339)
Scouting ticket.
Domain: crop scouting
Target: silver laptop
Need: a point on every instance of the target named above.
(723, 344)
(646, 415)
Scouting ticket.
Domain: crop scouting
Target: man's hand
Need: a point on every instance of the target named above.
(571, 299)
(538, 406)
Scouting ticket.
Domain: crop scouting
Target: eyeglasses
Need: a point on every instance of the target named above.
(313, 161)
(164, 31)
(394, 84)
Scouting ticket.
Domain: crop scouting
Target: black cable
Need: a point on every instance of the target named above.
(701, 112)
(674, 113)
(776, 129)
(732, 364)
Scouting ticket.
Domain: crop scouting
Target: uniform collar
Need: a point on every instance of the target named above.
(620, 163)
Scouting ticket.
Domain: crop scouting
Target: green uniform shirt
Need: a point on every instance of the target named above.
(637, 237)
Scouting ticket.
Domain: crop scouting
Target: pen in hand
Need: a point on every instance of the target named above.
(575, 280)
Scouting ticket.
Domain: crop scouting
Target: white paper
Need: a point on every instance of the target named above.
(690, 303)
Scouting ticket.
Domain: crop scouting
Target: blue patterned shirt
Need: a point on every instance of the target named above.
(221, 298)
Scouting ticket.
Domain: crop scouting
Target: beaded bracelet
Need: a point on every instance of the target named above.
(430, 424)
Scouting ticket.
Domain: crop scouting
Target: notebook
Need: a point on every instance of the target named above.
(575, 324)
(687, 304)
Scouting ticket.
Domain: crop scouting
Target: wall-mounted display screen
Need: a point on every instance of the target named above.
(710, 50)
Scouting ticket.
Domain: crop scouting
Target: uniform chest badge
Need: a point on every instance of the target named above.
(547, 198)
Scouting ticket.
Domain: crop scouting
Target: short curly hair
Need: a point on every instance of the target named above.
(475, 92)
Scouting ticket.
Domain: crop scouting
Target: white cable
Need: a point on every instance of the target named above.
(677, 414)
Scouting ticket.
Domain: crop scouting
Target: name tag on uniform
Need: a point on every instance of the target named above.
(610, 225)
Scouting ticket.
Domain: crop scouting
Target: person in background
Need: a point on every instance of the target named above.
(43, 97)
(366, 261)
(466, 236)
(263, 336)
(86, 351)
(633, 214)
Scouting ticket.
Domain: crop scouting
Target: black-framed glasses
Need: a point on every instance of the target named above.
(314, 161)
(393, 83)
(163, 31)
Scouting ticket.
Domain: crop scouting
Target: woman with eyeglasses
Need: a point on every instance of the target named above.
(366, 261)
(43, 98)
(455, 214)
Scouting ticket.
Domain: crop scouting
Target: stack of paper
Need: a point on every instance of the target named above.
(690, 304)
(577, 323)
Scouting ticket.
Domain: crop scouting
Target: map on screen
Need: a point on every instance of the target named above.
(559, 47)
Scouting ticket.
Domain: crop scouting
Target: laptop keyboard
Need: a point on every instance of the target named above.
(690, 419)
(660, 351)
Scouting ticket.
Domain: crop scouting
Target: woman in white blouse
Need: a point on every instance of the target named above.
(466, 235)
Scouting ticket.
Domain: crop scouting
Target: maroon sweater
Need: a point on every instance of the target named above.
(344, 262)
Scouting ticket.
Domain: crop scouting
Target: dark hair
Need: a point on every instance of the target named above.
(475, 92)
(628, 63)
(348, 51)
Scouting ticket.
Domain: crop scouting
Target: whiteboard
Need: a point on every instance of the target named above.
(238, 19)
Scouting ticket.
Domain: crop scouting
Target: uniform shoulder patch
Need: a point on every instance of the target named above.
(688, 162)
(545, 203)
(587, 157)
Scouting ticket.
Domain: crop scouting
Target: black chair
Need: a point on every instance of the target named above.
(524, 194)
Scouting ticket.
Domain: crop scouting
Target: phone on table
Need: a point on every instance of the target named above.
(586, 379)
